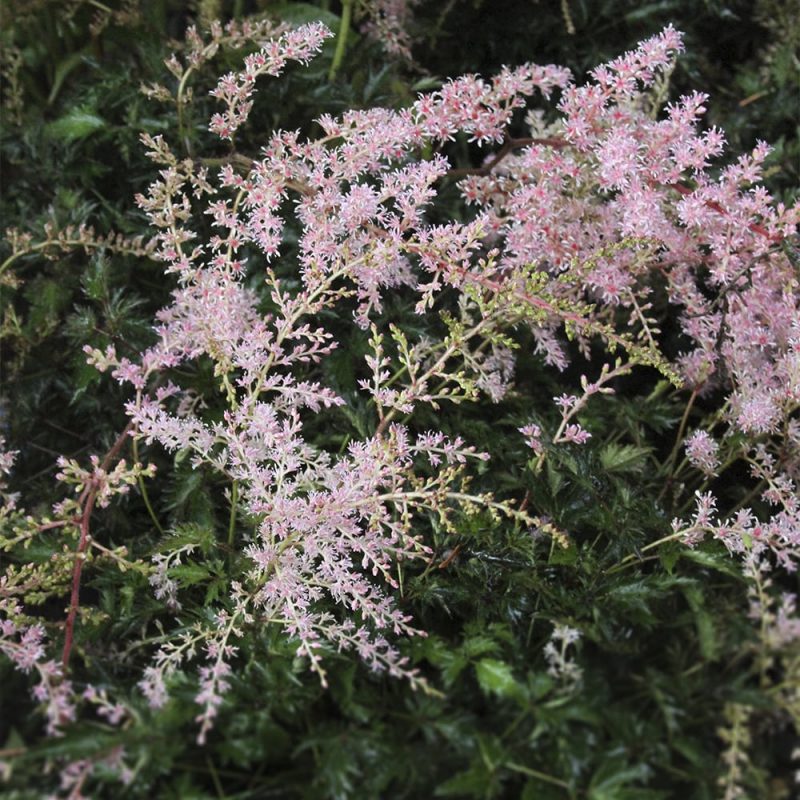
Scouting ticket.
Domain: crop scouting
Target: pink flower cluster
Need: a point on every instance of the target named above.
(235, 90)
(23, 644)
(702, 451)
(387, 21)
(577, 224)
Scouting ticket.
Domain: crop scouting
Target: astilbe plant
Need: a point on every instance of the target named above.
(584, 228)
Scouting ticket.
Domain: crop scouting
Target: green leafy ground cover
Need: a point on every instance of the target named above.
(669, 674)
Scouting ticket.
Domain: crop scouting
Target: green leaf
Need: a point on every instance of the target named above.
(554, 478)
(704, 622)
(188, 533)
(62, 70)
(669, 557)
(612, 780)
(623, 457)
(564, 555)
(496, 677)
(540, 684)
(473, 782)
(75, 126)
(189, 574)
(692, 751)
(479, 645)
(481, 779)
(716, 559)
(425, 84)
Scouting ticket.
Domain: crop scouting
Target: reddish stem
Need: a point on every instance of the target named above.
(508, 146)
(58, 523)
(512, 144)
(87, 502)
(714, 206)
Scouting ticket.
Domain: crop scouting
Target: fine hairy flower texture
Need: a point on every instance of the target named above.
(560, 663)
(574, 234)
(702, 451)
(387, 22)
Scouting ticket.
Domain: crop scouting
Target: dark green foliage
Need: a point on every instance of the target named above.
(665, 642)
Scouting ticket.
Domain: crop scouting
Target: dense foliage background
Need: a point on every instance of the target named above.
(671, 677)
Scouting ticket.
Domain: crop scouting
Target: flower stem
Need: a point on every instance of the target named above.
(534, 773)
(143, 491)
(234, 504)
(87, 502)
(341, 38)
(626, 561)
